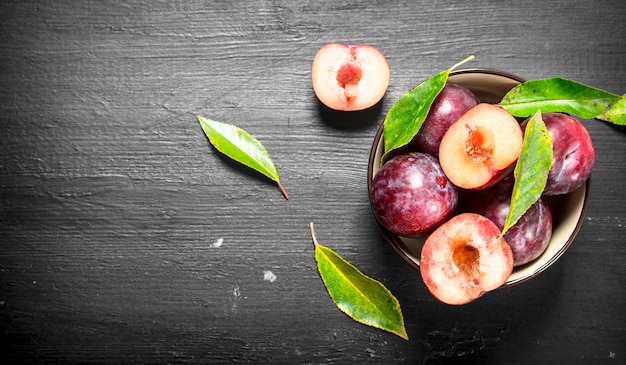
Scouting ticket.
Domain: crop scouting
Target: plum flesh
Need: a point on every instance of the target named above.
(464, 258)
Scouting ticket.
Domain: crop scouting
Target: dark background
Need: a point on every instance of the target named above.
(113, 203)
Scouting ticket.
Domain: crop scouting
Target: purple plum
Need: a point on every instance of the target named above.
(452, 102)
(573, 154)
(529, 237)
(410, 195)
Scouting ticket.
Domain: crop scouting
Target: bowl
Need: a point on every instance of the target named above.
(568, 210)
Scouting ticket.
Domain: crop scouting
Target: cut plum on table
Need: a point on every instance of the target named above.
(349, 77)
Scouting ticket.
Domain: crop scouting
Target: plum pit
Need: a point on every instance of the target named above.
(348, 76)
(479, 144)
(466, 257)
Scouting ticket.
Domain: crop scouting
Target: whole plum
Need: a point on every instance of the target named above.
(452, 102)
(529, 237)
(410, 195)
(573, 154)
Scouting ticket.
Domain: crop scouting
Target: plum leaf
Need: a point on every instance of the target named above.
(616, 113)
(365, 300)
(557, 94)
(242, 147)
(405, 118)
(531, 169)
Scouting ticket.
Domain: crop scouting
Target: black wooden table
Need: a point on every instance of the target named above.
(126, 238)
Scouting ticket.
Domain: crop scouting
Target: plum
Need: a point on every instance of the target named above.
(452, 102)
(410, 195)
(464, 258)
(573, 154)
(481, 147)
(349, 77)
(529, 237)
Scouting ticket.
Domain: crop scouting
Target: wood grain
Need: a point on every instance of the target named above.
(125, 237)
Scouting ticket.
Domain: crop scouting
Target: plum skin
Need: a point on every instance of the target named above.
(573, 154)
(530, 236)
(452, 102)
(411, 196)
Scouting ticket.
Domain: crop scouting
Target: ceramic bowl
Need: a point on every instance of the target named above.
(568, 210)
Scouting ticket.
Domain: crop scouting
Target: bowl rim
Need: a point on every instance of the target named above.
(489, 71)
(395, 242)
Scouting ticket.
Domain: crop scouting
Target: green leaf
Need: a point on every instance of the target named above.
(406, 116)
(531, 170)
(362, 298)
(237, 144)
(616, 113)
(558, 94)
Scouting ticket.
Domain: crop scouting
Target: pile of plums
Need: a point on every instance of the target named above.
(454, 187)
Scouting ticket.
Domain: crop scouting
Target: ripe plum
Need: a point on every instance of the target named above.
(452, 102)
(530, 236)
(573, 154)
(465, 258)
(410, 195)
(349, 77)
(481, 147)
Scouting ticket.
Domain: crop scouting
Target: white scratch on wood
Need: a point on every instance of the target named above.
(236, 296)
(269, 276)
(217, 243)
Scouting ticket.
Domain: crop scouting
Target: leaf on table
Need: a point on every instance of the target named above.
(531, 169)
(558, 94)
(406, 116)
(239, 145)
(362, 298)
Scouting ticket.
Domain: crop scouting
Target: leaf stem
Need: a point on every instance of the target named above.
(282, 189)
(462, 62)
(313, 234)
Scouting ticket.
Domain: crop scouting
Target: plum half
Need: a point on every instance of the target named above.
(481, 147)
(464, 258)
(349, 77)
